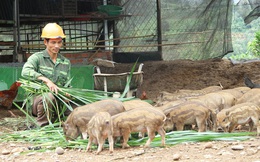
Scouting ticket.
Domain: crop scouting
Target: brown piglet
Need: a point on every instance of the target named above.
(145, 119)
(100, 128)
(77, 122)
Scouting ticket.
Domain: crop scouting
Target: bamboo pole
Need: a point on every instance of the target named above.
(79, 44)
(31, 46)
(143, 36)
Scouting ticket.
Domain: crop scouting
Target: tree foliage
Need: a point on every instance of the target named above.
(254, 46)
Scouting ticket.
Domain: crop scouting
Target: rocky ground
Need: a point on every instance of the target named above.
(236, 151)
(159, 76)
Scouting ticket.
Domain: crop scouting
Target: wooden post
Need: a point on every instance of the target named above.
(159, 27)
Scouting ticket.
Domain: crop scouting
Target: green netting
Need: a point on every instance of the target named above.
(248, 9)
(200, 29)
(190, 29)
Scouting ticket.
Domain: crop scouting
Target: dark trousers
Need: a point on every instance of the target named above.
(47, 112)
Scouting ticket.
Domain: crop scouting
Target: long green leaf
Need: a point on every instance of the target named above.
(127, 87)
(49, 136)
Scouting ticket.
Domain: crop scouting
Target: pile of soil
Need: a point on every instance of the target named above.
(187, 74)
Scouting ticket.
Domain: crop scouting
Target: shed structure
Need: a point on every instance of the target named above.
(144, 30)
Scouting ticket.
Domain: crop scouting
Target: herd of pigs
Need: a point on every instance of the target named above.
(208, 109)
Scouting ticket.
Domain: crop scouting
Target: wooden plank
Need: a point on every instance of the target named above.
(5, 43)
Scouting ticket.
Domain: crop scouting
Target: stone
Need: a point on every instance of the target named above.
(6, 152)
(208, 145)
(59, 150)
(237, 147)
(176, 157)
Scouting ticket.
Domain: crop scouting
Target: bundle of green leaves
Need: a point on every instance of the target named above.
(66, 97)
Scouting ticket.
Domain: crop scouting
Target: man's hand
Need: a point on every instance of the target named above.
(53, 87)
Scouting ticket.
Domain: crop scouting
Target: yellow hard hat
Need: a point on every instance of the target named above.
(52, 30)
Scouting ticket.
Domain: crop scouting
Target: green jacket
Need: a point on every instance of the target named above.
(40, 64)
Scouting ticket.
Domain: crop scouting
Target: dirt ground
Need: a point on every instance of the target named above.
(163, 76)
